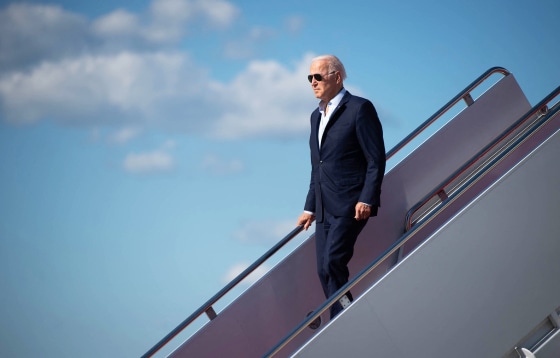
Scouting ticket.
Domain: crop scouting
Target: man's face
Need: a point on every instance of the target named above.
(330, 84)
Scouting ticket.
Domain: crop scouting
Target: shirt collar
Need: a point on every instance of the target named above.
(333, 103)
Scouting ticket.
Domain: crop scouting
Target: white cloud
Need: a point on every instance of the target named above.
(168, 18)
(238, 268)
(220, 13)
(125, 135)
(156, 161)
(264, 231)
(93, 88)
(30, 34)
(246, 47)
(117, 23)
(267, 99)
(294, 24)
(138, 86)
(94, 134)
(220, 166)
(169, 144)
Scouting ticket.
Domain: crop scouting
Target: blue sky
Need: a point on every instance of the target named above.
(150, 150)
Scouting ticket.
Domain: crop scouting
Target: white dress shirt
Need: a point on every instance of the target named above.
(325, 117)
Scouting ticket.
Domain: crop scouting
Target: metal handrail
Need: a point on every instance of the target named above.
(540, 108)
(403, 240)
(463, 95)
(207, 307)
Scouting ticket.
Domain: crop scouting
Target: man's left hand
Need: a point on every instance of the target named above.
(363, 211)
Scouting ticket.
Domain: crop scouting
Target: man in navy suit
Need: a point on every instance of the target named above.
(347, 168)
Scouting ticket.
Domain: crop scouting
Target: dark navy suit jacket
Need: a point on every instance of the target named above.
(349, 166)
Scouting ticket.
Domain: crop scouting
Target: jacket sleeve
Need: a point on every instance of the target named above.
(310, 202)
(370, 136)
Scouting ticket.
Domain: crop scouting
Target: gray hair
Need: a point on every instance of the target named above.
(334, 64)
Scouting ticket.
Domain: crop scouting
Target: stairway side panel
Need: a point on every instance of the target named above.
(477, 285)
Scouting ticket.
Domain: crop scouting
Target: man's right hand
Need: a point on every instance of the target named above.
(306, 219)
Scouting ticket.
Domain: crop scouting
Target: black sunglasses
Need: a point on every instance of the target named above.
(318, 77)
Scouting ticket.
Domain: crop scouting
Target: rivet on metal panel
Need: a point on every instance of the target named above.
(468, 99)
(316, 322)
(555, 319)
(543, 110)
(442, 195)
(211, 313)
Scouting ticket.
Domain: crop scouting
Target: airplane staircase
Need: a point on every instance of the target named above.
(462, 260)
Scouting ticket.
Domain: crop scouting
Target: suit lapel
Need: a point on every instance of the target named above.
(334, 116)
(315, 122)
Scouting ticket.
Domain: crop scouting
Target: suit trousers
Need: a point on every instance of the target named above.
(335, 237)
